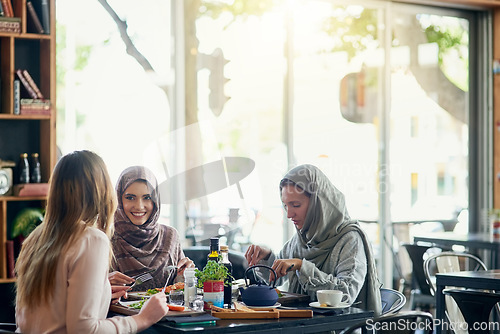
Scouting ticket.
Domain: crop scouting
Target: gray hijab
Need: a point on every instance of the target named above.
(327, 220)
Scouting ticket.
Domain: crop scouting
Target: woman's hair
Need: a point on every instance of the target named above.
(288, 182)
(80, 195)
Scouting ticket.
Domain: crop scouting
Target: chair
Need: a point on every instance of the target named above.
(447, 262)
(199, 256)
(420, 295)
(476, 307)
(7, 328)
(400, 323)
(392, 301)
(8, 298)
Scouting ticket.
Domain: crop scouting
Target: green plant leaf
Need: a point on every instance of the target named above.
(213, 271)
(26, 221)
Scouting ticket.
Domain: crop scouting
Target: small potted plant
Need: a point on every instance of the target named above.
(212, 280)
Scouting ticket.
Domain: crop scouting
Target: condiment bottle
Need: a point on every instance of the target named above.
(214, 250)
(35, 175)
(228, 282)
(24, 169)
(190, 282)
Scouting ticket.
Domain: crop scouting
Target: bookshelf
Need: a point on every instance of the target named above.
(36, 53)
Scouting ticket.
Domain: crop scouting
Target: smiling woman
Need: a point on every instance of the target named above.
(140, 243)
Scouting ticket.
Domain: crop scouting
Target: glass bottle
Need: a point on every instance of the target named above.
(24, 169)
(35, 175)
(228, 282)
(190, 282)
(214, 250)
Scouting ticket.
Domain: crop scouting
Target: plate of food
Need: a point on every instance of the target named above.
(137, 295)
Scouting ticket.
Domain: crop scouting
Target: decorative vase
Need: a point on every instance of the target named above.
(213, 293)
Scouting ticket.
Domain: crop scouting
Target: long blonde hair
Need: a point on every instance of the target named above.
(81, 195)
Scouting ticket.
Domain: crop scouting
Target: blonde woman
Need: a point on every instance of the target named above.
(62, 270)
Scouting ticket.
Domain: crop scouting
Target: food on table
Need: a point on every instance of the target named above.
(173, 307)
(138, 305)
(220, 309)
(176, 286)
(240, 307)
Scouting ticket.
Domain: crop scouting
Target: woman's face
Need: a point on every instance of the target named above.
(137, 202)
(295, 202)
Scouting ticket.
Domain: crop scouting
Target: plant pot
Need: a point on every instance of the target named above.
(213, 293)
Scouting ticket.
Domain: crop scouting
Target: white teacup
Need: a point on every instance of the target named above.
(331, 297)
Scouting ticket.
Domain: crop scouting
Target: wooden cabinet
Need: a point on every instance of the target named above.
(26, 133)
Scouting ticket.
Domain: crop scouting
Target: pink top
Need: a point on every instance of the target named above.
(83, 294)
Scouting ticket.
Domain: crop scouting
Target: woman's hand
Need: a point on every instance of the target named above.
(118, 291)
(152, 311)
(256, 253)
(283, 266)
(183, 264)
(118, 287)
(118, 278)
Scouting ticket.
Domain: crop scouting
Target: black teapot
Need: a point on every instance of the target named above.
(259, 294)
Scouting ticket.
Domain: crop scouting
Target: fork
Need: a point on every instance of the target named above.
(173, 270)
(141, 279)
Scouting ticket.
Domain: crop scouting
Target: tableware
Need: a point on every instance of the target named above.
(142, 278)
(331, 297)
(259, 294)
(131, 304)
(172, 271)
(176, 297)
(338, 307)
(263, 307)
(138, 295)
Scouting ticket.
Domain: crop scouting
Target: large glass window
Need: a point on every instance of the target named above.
(377, 94)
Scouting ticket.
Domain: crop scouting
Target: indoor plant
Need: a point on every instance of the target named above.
(212, 280)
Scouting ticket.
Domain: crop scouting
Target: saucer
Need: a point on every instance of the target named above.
(338, 307)
(263, 307)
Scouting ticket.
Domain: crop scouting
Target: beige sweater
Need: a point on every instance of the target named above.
(83, 294)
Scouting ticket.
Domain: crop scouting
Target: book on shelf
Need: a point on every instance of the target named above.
(10, 24)
(35, 19)
(8, 11)
(46, 16)
(33, 84)
(26, 84)
(9, 248)
(35, 107)
(2, 13)
(17, 97)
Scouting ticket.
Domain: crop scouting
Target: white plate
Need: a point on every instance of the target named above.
(338, 307)
(138, 294)
(262, 307)
(129, 304)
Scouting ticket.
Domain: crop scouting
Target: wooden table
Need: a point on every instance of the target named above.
(470, 240)
(489, 280)
(318, 323)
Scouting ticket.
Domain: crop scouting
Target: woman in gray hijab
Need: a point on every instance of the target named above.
(329, 250)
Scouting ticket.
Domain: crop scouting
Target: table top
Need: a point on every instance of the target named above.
(472, 279)
(481, 240)
(334, 320)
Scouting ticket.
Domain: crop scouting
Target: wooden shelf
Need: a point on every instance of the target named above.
(26, 133)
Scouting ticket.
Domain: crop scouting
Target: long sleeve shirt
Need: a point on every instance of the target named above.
(345, 269)
(82, 294)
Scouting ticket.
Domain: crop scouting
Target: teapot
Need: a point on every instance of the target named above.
(259, 294)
